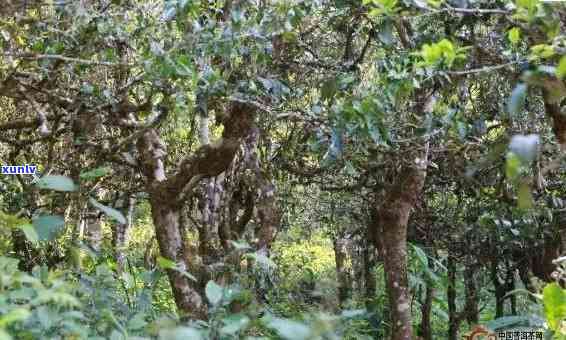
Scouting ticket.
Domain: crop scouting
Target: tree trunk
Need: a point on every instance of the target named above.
(344, 279)
(93, 230)
(167, 195)
(23, 250)
(369, 276)
(453, 315)
(472, 310)
(370, 288)
(166, 219)
(120, 230)
(554, 110)
(425, 328)
(390, 226)
(499, 290)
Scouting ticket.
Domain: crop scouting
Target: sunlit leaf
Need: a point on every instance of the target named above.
(554, 299)
(525, 196)
(512, 166)
(514, 35)
(165, 263)
(561, 69)
(4, 335)
(15, 315)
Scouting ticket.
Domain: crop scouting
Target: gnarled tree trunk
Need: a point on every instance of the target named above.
(167, 195)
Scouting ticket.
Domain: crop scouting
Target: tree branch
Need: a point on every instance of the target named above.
(212, 159)
(33, 56)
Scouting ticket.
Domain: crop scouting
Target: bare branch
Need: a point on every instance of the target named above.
(484, 69)
(33, 56)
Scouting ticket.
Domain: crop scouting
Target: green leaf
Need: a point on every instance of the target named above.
(517, 99)
(186, 274)
(554, 299)
(4, 335)
(30, 232)
(262, 260)
(512, 166)
(525, 197)
(48, 227)
(542, 51)
(166, 263)
(11, 221)
(213, 292)
(507, 322)
(87, 89)
(383, 7)
(529, 5)
(15, 315)
(180, 333)
(561, 69)
(329, 88)
(385, 34)
(95, 173)
(234, 323)
(243, 245)
(353, 313)
(111, 212)
(137, 322)
(183, 66)
(435, 3)
(56, 182)
(289, 329)
(514, 35)
(421, 255)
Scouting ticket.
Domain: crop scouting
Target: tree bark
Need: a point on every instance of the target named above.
(369, 275)
(344, 279)
(167, 194)
(390, 226)
(166, 219)
(554, 110)
(472, 310)
(499, 288)
(120, 231)
(93, 230)
(426, 309)
(453, 314)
